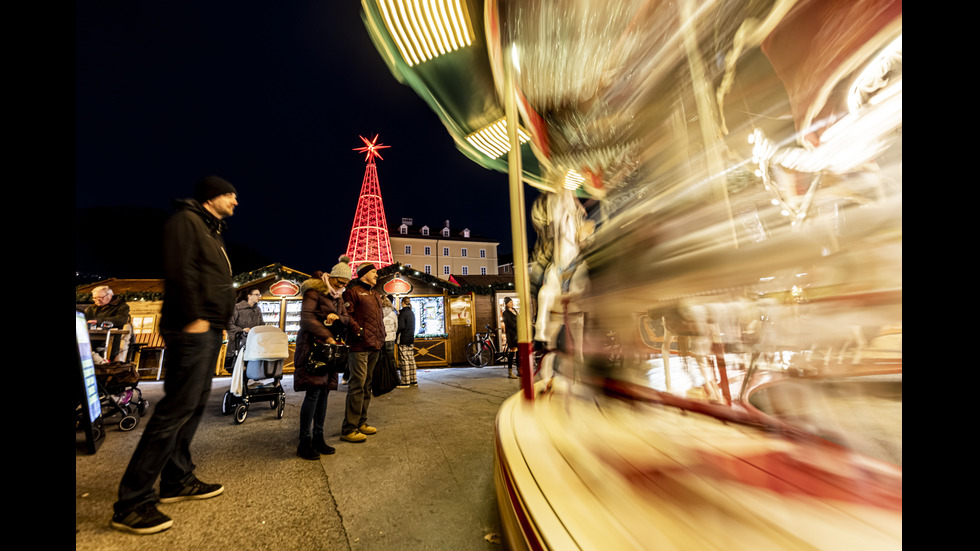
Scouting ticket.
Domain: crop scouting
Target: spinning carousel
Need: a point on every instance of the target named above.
(714, 357)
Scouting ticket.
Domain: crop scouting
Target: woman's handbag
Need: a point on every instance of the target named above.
(326, 358)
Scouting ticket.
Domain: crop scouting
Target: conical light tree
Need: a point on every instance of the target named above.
(369, 240)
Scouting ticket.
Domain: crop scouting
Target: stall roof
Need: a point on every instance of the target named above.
(491, 280)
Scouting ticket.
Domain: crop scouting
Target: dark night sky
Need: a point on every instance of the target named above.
(272, 97)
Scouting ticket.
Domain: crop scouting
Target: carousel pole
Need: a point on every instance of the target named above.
(518, 228)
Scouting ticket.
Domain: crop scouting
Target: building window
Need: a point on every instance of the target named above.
(445, 232)
(445, 270)
(483, 270)
(425, 230)
(408, 249)
(483, 253)
(466, 232)
(403, 229)
(428, 269)
(466, 271)
(428, 251)
(462, 252)
(445, 251)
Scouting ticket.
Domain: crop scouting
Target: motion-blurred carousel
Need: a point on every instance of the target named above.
(714, 360)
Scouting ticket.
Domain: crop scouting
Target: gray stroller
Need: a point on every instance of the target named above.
(262, 358)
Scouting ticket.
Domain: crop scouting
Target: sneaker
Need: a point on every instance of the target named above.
(193, 490)
(144, 519)
(367, 429)
(353, 436)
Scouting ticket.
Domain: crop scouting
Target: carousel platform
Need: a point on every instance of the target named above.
(622, 465)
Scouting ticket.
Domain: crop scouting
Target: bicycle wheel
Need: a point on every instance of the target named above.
(477, 354)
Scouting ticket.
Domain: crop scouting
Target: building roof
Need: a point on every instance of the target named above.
(435, 233)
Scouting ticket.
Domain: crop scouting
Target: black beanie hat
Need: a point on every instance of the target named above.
(364, 268)
(210, 187)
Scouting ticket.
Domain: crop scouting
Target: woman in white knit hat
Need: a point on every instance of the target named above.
(323, 317)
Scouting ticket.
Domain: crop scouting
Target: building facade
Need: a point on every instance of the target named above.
(442, 252)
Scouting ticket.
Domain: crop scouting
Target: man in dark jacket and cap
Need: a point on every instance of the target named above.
(197, 306)
(366, 337)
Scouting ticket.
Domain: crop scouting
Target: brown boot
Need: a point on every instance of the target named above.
(510, 373)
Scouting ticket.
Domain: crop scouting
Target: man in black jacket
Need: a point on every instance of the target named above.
(406, 341)
(197, 306)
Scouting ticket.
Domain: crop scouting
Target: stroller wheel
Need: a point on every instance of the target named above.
(241, 412)
(142, 406)
(280, 405)
(129, 422)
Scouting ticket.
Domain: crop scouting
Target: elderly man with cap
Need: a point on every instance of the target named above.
(366, 337)
(198, 301)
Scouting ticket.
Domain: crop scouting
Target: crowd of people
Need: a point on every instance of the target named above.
(200, 311)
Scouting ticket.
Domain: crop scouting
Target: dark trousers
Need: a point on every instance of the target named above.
(313, 411)
(361, 365)
(164, 449)
(513, 360)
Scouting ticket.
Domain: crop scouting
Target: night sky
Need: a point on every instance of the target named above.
(271, 96)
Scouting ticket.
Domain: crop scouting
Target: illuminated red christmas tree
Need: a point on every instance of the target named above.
(369, 237)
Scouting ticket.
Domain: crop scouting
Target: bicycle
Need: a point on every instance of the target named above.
(482, 351)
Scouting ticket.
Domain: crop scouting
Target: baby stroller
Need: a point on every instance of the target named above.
(262, 357)
(119, 393)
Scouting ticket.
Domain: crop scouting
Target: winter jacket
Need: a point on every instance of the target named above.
(244, 317)
(406, 326)
(117, 311)
(198, 281)
(317, 305)
(367, 328)
(391, 324)
(510, 328)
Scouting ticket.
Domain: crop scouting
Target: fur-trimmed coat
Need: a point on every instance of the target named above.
(317, 305)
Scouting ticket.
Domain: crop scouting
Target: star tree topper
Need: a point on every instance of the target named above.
(371, 148)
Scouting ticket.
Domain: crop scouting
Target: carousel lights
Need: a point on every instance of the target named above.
(573, 180)
(425, 29)
(492, 140)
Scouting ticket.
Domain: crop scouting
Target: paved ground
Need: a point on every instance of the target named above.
(425, 481)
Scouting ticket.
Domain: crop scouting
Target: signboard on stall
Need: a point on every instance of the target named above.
(397, 286)
(460, 310)
(284, 288)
